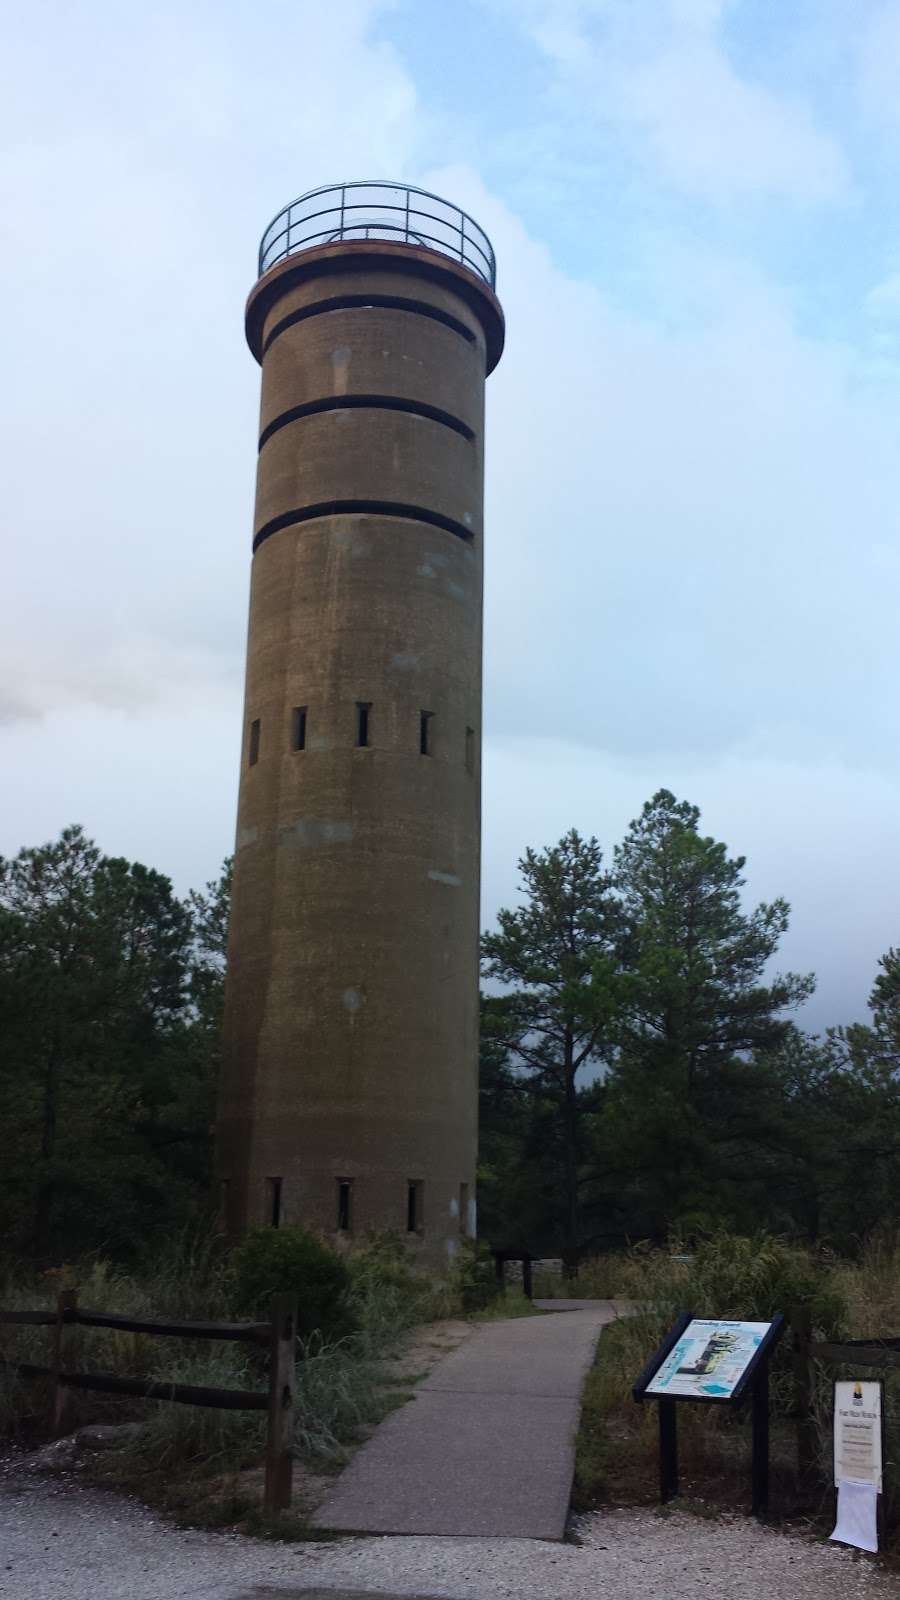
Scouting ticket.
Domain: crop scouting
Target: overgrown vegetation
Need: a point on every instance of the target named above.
(195, 1460)
(291, 1261)
(641, 1079)
(729, 1276)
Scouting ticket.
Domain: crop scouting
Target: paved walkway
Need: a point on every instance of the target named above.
(486, 1446)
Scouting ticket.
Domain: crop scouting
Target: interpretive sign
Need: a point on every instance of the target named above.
(718, 1362)
(709, 1360)
(857, 1433)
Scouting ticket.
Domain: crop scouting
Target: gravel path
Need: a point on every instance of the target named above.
(60, 1539)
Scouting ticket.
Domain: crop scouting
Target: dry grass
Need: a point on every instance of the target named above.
(202, 1464)
(195, 1460)
(513, 1303)
(870, 1286)
(617, 1451)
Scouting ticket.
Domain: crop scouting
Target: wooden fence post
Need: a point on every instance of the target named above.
(527, 1279)
(801, 1327)
(282, 1388)
(61, 1394)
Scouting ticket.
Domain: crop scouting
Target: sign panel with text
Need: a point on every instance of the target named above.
(857, 1433)
(718, 1361)
(709, 1360)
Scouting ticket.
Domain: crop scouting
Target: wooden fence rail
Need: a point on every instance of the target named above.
(245, 1332)
(278, 1336)
(877, 1353)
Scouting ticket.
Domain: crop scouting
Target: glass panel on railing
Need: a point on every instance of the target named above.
(377, 211)
(438, 231)
(441, 210)
(381, 219)
(385, 195)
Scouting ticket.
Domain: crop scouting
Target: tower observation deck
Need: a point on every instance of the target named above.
(350, 1060)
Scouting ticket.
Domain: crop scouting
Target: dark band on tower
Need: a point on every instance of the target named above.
(349, 1088)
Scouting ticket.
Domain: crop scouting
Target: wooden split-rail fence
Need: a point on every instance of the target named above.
(278, 1336)
(883, 1354)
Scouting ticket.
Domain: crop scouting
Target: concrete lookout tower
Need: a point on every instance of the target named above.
(349, 1090)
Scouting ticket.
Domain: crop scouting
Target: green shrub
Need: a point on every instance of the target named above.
(290, 1261)
(387, 1292)
(752, 1278)
(474, 1276)
(723, 1275)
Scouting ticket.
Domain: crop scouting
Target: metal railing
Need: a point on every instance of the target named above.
(372, 210)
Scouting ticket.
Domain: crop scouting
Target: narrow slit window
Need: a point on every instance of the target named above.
(363, 707)
(463, 1209)
(425, 733)
(414, 1206)
(298, 730)
(470, 749)
(273, 1202)
(253, 755)
(343, 1205)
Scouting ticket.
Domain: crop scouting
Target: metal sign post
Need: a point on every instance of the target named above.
(714, 1362)
(760, 1443)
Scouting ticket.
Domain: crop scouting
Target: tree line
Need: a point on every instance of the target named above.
(641, 1071)
(110, 1012)
(642, 1075)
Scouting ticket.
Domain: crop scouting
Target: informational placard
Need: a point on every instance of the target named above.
(718, 1362)
(708, 1360)
(857, 1433)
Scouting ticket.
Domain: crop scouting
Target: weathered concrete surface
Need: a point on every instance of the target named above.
(350, 1046)
(486, 1447)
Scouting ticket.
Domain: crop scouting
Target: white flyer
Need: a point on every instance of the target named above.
(857, 1433)
(857, 1515)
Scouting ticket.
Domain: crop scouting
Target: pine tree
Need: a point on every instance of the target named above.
(695, 1006)
(555, 959)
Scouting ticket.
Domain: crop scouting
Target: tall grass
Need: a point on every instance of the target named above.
(187, 1281)
(870, 1286)
(341, 1385)
(747, 1278)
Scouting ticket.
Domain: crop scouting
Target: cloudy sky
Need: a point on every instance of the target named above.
(693, 447)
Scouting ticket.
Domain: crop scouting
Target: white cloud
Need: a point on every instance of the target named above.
(142, 161)
(159, 787)
(879, 63)
(660, 72)
(686, 524)
(692, 512)
(720, 137)
(883, 301)
(121, 671)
